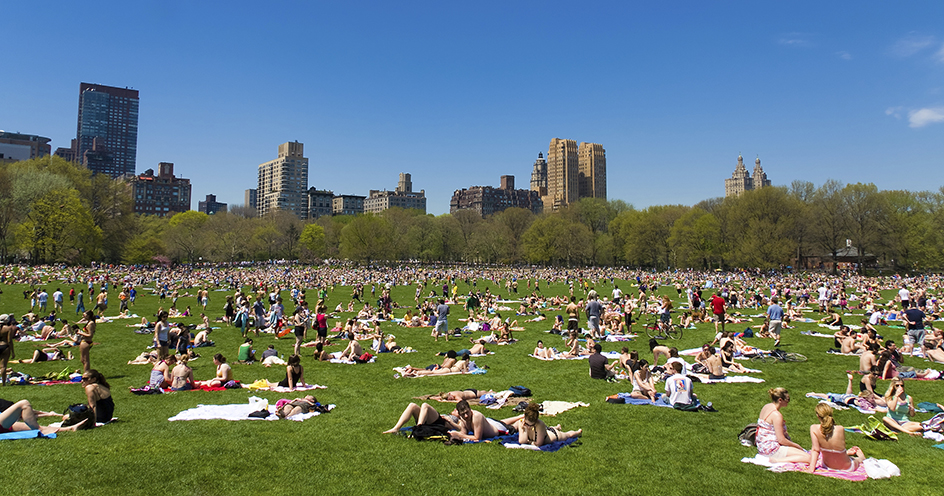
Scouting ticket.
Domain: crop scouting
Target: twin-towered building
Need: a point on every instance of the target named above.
(741, 180)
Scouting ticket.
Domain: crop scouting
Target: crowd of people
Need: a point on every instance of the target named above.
(702, 298)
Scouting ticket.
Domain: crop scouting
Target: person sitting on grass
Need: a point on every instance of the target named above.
(474, 426)
(900, 409)
(727, 359)
(294, 373)
(772, 439)
(353, 349)
(98, 393)
(532, 430)
(224, 373)
(678, 389)
(658, 351)
(599, 368)
(541, 351)
(203, 338)
(246, 353)
(643, 387)
(830, 440)
(182, 376)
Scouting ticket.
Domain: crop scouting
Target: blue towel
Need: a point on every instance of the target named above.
(634, 401)
(26, 435)
(513, 439)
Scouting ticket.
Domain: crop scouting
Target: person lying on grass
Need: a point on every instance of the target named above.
(46, 355)
(460, 367)
(424, 414)
(456, 396)
(20, 416)
(865, 399)
(532, 430)
(474, 426)
(297, 406)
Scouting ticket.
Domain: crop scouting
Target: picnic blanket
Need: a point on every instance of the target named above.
(32, 434)
(816, 334)
(610, 355)
(511, 441)
(629, 400)
(238, 411)
(401, 372)
(731, 378)
(553, 407)
(871, 468)
(264, 385)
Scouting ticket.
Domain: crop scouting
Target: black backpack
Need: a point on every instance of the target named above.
(520, 391)
(433, 432)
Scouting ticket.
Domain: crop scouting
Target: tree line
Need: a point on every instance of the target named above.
(52, 211)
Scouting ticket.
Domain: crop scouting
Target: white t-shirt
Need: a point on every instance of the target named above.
(904, 294)
(823, 292)
(876, 317)
(679, 389)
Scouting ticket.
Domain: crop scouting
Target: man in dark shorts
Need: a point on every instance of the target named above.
(717, 309)
(321, 324)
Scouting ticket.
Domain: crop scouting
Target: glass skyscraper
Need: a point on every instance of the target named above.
(107, 135)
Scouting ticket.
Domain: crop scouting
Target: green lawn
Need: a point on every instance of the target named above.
(624, 449)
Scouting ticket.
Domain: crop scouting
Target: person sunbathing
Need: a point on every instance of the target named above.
(46, 355)
(459, 367)
(643, 387)
(865, 399)
(182, 376)
(224, 373)
(298, 406)
(829, 440)
(474, 426)
(542, 351)
(727, 359)
(456, 396)
(423, 414)
(21, 417)
(658, 351)
(900, 410)
(353, 350)
(532, 430)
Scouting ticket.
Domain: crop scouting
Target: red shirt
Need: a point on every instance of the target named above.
(717, 304)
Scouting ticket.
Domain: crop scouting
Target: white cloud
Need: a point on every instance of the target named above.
(844, 55)
(796, 40)
(925, 116)
(894, 112)
(940, 54)
(910, 45)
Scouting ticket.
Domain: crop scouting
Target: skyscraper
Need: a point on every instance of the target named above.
(592, 165)
(539, 176)
(283, 182)
(563, 179)
(108, 129)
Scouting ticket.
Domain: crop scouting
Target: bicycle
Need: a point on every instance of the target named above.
(778, 355)
(670, 331)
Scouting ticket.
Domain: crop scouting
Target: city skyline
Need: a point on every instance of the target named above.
(459, 95)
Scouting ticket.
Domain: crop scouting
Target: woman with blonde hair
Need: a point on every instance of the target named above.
(900, 409)
(830, 440)
(772, 438)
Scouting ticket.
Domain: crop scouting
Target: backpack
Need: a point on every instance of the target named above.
(77, 413)
(432, 432)
(748, 435)
(519, 391)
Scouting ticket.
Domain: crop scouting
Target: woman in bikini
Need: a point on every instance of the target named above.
(300, 405)
(830, 440)
(727, 359)
(532, 430)
(772, 438)
(542, 351)
(224, 373)
(86, 335)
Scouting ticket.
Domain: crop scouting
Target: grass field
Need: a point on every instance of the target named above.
(624, 449)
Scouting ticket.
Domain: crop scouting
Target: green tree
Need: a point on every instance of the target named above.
(367, 238)
(313, 240)
(59, 228)
(186, 236)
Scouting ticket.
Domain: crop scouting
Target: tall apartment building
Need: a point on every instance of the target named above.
(16, 146)
(251, 198)
(283, 182)
(563, 174)
(403, 197)
(741, 180)
(210, 206)
(320, 203)
(108, 129)
(539, 176)
(592, 170)
(486, 200)
(162, 195)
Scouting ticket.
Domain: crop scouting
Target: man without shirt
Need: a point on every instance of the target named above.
(474, 426)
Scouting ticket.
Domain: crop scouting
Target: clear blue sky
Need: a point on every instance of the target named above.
(460, 93)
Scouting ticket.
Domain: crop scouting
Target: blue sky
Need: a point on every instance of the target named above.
(459, 94)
